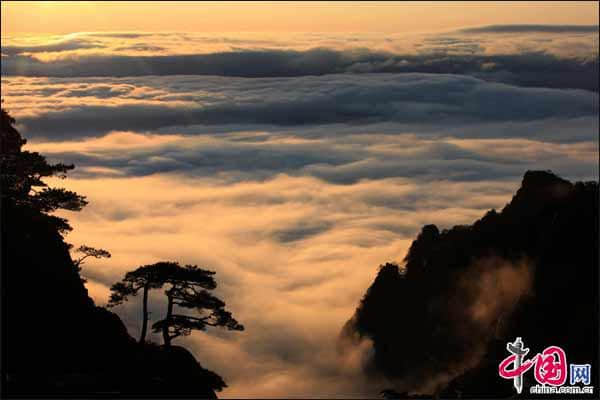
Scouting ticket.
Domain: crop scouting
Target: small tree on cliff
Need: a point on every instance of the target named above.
(188, 287)
(87, 252)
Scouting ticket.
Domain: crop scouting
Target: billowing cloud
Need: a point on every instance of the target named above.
(147, 104)
(526, 55)
(324, 242)
(528, 69)
(333, 162)
(75, 43)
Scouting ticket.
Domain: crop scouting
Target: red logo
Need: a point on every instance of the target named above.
(550, 365)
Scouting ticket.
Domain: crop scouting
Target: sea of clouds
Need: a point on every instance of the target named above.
(294, 165)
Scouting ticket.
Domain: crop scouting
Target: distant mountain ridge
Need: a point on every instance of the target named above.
(440, 324)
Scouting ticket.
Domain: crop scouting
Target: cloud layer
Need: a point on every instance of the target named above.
(558, 56)
(294, 166)
(53, 108)
(527, 69)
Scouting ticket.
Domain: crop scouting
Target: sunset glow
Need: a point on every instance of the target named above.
(293, 148)
(264, 16)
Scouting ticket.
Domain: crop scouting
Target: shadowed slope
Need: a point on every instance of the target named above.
(55, 340)
(440, 325)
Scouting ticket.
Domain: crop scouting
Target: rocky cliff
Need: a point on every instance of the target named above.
(440, 322)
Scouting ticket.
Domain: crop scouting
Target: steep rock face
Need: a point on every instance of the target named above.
(58, 341)
(440, 324)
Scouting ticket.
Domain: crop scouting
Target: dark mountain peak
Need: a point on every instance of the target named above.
(543, 183)
(386, 280)
(386, 269)
(466, 291)
(539, 190)
(538, 178)
(429, 235)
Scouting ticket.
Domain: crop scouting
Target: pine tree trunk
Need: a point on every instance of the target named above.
(166, 337)
(145, 315)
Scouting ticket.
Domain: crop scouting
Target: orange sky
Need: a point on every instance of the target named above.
(65, 17)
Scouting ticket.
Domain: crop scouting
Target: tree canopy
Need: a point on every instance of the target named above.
(188, 288)
(22, 177)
